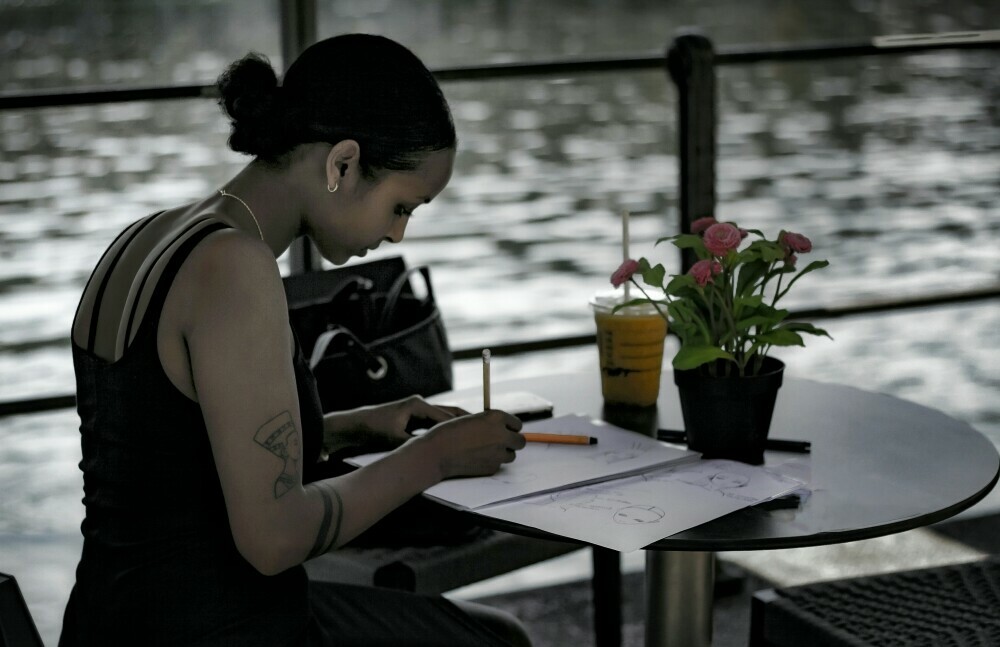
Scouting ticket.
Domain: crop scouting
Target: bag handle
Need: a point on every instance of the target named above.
(351, 285)
(375, 365)
(392, 296)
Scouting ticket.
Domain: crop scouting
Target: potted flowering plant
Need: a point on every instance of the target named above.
(725, 312)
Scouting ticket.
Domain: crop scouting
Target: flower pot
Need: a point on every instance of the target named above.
(729, 417)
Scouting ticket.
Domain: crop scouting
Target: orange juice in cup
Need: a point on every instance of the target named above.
(630, 345)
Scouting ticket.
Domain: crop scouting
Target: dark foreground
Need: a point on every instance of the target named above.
(560, 616)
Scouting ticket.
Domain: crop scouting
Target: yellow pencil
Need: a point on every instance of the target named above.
(486, 379)
(560, 439)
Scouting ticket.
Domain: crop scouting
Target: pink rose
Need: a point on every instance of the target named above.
(704, 270)
(701, 224)
(722, 237)
(791, 259)
(795, 242)
(624, 272)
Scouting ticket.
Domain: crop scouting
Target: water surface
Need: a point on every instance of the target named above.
(890, 165)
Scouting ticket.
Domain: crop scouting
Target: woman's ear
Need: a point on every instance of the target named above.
(343, 164)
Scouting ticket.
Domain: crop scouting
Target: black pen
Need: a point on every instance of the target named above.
(797, 446)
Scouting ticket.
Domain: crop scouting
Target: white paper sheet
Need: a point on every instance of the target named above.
(627, 514)
(541, 467)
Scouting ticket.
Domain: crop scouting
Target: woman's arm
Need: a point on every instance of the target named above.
(239, 348)
(381, 427)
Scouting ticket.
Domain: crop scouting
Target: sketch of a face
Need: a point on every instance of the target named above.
(714, 480)
(727, 480)
(636, 514)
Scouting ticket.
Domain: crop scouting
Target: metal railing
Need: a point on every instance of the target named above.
(690, 61)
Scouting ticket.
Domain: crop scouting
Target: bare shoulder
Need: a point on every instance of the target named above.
(231, 254)
(231, 273)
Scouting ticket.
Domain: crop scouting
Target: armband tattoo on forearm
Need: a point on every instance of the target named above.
(322, 544)
(280, 437)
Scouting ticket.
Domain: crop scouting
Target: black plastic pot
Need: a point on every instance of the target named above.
(729, 417)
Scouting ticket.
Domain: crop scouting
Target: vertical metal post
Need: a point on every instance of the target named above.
(680, 589)
(690, 62)
(298, 31)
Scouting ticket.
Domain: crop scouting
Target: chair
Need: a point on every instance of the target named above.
(17, 629)
(438, 569)
(469, 558)
(947, 606)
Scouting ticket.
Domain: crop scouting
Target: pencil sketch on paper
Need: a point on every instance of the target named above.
(629, 513)
(607, 502)
(627, 453)
(512, 477)
(636, 514)
(585, 498)
(725, 478)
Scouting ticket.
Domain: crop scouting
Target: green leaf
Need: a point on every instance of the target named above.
(653, 275)
(678, 283)
(774, 314)
(630, 302)
(689, 323)
(693, 242)
(688, 241)
(771, 252)
(781, 337)
(757, 320)
(815, 265)
(801, 326)
(683, 311)
(785, 268)
(690, 356)
(750, 275)
(752, 301)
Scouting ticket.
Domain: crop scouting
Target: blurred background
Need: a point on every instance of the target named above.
(891, 165)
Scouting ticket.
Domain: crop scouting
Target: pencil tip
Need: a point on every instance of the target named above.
(593, 441)
(486, 354)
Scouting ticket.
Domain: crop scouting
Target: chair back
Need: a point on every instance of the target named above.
(17, 629)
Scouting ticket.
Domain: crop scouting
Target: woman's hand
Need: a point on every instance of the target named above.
(474, 445)
(383, 427)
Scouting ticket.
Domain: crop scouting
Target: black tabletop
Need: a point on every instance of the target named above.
(879, 464)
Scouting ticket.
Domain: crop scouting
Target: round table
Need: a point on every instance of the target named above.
(879, 465)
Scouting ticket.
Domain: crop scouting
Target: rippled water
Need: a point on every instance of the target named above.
(890, 165)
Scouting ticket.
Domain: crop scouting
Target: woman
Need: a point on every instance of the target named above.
(198, 413)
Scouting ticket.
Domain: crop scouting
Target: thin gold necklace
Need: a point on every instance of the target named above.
(223, 193)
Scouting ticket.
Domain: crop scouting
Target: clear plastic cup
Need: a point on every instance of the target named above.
(630, 345)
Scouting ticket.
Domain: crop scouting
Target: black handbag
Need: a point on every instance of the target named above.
(368, 336)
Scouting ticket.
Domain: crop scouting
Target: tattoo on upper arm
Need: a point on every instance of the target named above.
(280, 437)
(322, 544)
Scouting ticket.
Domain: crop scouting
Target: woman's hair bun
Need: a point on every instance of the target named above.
(249, 94)
(384, 98)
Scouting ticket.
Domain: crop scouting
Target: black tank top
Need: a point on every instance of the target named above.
(159, 564)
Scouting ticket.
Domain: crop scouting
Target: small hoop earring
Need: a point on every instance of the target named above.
(334, 189)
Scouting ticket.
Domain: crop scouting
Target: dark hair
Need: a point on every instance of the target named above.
(355, 86)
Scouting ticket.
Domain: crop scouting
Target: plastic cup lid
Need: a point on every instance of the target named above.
(606, 301)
